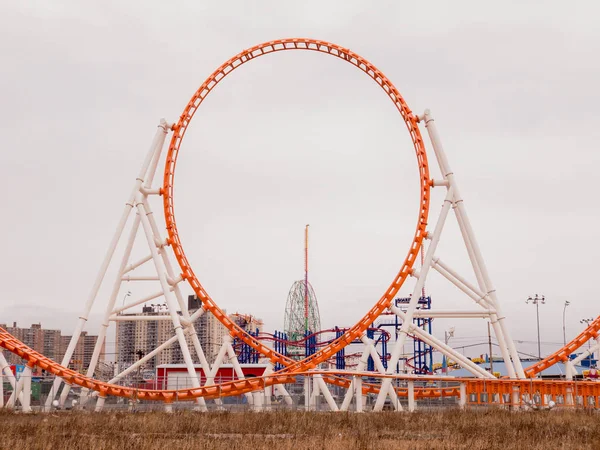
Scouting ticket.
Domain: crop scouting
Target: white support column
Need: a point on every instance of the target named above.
(268, 390)
(111, 304)
(178, 294)
(281, 390)
(26, 401)
(306, 393)
(99, 403)
(362, 364)
(502, 334)
(171, 302)
(18, 393)
(412, 306)
(358, 393)
(157, 142)
(411, 396)
(5, 368)
(227, 341)
(370, 349)
(326, 393)
(314, 394)
(462, 403)
(1, 389)
(64, 394)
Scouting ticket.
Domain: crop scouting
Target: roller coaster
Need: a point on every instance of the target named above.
(372, 382)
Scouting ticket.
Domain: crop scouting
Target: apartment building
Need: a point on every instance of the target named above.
(140, 333)
(53, 344)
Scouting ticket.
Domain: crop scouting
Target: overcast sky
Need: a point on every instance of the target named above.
(297, 138)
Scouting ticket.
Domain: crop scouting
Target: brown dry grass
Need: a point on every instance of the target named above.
(447, 429)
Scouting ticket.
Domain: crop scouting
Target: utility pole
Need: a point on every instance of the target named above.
(447, 335)
(536, 301)
(567, 303)
(306, 282)
(490, 344)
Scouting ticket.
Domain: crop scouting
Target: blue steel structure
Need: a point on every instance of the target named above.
(423, 353)
(422, 360)
(380, 340)
(340, 357)
(310, 343)
(246, 354)
(280, 345)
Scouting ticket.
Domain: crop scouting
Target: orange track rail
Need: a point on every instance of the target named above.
(238, 387)
(168, 200)
(591, 332)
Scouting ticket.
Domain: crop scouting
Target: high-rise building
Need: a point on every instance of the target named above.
(140, 333)
(135, 338)
(52, 344)
(209, 330)
(82, 355)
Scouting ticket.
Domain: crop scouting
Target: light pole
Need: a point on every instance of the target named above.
(567, 303)
(587, 324)
(126, 295)
(447, 335)
(536, 301)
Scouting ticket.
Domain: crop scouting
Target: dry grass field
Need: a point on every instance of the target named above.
(448, 429)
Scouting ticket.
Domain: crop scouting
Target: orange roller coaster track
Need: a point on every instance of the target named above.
(293, 368)
(179, 131)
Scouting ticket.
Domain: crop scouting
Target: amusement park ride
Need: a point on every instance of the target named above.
(320, 363)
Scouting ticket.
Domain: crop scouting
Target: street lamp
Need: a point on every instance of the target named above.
(126, 295)
(536, 301)
(447, 335)
(567, 303)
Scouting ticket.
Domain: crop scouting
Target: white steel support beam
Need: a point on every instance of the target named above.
(227, 342)
(478, 297)
(444, 348)
(435, 314)
(312, 402)
(142, 300)
(513, 362)
(171, 302)
(326, 393)
(26, 401)
(139, 318)
(179, 296)
(157, 143)
(1, 389)
(412, 306)
(136, 264)
(462, 402)
(5, 369)
(411, 396)
(370, 347)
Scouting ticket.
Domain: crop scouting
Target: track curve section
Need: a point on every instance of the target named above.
(167, 191)
(591, 332)
(476, 386)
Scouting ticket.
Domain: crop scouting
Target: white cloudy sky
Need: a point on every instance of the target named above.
(298, 138)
